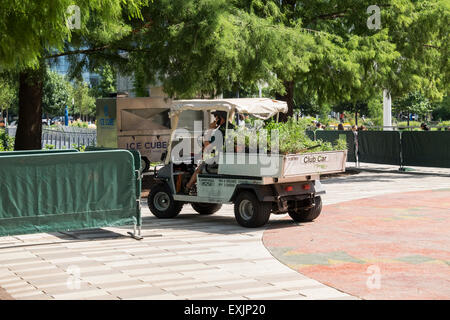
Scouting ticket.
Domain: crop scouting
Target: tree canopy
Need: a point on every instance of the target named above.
(323, 48)
(57, 93)
(32, 33)
(32, 30)
(322, 51)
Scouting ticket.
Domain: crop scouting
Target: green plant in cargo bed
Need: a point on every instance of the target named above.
(292, 138)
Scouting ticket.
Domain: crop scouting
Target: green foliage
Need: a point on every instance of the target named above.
(8, 93)
(107, 83)
(140, 84)
(56, 93)
(411, 124)
(79, 124)
(84, 102)
(293, 139)
(442, 110)
(375, 111)
(30, 29)
(49, 147)
(80, 148)
(204, 48)
(6, 142)
(414, 103)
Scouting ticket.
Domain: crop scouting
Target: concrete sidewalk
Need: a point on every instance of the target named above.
(190, 257)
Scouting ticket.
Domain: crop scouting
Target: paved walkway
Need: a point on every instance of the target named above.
(392, 246)
(190, 257)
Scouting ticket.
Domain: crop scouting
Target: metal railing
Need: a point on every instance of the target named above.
(64, 137)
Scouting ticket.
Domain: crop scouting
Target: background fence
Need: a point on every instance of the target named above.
(64, 137)
(402, 148)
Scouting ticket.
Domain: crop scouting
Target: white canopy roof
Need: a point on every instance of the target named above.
(262, 108)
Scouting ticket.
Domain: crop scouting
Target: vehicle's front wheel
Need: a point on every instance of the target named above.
(250, 212)
(161, 202)
(307, 215)
(206, 208)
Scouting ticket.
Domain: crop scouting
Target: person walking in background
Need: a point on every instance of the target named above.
(341, 117)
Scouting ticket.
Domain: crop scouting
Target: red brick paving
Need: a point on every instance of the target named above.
(406, 236)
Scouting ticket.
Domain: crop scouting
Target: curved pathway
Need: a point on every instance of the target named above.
(394, 246)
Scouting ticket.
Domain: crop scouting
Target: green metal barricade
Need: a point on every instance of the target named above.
(332, 136)
(426, 148)
(48, 192)
(379, 147)
(136, 154)
(24, 152)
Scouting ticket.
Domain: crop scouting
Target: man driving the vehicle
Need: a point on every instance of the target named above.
(220, 124)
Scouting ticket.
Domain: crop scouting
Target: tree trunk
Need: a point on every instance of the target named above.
(289, 98)
(29, 128)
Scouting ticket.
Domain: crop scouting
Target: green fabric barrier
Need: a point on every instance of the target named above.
(137, 164)
(379, 147)
(426, 148)
(332, 136)
(23, 152)
(67, 191)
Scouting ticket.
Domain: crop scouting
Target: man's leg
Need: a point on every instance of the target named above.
(193, 179)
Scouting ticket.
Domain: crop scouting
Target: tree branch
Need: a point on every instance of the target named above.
(84, 51)
(94, 50)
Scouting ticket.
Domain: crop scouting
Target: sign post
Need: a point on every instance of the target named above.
(66, 116)
(387, 110)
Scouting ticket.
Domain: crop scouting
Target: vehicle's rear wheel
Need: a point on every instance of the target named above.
(206, 208)
(249, 211)
(161, 202)
(307, 215)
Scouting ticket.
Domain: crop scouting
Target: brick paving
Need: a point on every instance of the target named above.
(190, 257)
(392, 246)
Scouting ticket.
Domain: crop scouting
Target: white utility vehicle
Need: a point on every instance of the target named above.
(257, 184)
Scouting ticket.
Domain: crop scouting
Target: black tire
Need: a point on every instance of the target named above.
(161, 202)
(250, 212)
(145, 164)
(206, 208)
(307, 215)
